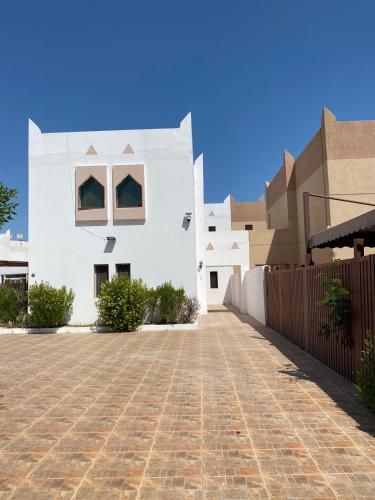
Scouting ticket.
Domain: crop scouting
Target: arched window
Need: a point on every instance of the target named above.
(91, 194)
(129, 193)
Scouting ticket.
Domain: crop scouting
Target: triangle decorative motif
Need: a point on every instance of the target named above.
(211, 214)
(128, 150)
(210, 247)
(91, 151)
(235, 246)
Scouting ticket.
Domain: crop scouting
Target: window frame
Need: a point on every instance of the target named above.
(96, 274)
(216, 275)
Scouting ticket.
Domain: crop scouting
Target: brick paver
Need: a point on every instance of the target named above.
(229, 411)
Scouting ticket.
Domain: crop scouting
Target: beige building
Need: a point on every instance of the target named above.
(339, 161)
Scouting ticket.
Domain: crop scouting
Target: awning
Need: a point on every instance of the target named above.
(13, 263)
(343, 234)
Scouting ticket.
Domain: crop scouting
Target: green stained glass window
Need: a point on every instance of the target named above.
(129, 193)
(91, 194)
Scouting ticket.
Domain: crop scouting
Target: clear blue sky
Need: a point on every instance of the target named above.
(254, 74)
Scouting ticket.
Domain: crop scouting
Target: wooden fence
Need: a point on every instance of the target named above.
(293, 309)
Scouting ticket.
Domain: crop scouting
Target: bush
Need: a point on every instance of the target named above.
(122, 303)
(49, 306)
(12, 305)
(169, 302)
(365, 373)
(190, 310)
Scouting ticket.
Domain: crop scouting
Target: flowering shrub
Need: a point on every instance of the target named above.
(49, 306)
(122, 304)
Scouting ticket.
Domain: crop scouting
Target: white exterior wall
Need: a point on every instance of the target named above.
(12, 251)
(235, 287)
(222, 294)
(222, 215)
(160, 249)
(253, 290)
(200, 228)
(222, 259)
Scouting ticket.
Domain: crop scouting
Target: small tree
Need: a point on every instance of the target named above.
(122, 304)
(7, 204)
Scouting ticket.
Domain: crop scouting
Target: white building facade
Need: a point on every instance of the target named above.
(225, 253)
(111, 202)
(13, 258)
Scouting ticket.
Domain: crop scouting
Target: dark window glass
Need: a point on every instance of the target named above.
(101, 275)
(214, 283)
(123, 270)
(211, 229)
(248, 227)
(129, 193)
(91, 194)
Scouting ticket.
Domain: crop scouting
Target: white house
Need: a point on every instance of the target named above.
(13, 258)
(128, 202)
(111, 202)
(225, 253)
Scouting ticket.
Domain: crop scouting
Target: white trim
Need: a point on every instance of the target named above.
(95, 329)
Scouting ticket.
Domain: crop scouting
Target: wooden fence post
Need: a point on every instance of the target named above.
(305, 305)
(279, 290)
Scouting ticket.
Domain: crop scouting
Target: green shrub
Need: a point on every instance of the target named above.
(152, 314)
(169, 302)
(122, 303)
(337, 302)
(365, 373)
(12, 305)
(189, 311)
(49, 306)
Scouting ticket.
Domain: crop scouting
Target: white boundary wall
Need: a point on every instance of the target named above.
(249, 295)
(253, 287)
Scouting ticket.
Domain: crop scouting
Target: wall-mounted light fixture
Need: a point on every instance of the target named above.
(188, 216)
(111, 238)
(200, 265)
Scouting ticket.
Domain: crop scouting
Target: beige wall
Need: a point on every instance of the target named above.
(256, 225)
(277, 214)
(248, 210)
(338, 161)
(318, 209)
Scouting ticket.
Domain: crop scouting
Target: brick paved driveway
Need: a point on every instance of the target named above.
(226, 412)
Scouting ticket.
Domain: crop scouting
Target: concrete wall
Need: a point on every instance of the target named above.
(253, 289)
(247, 293)
(236, 291)
(222, 294)
(218, 215)
(161, 248)
(200, 229)
(219, 255)
(12, 251)
(338, 161)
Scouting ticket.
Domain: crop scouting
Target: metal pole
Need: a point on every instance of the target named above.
(340, 199)
(306, 222)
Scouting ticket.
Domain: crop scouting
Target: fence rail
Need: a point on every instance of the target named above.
(293, 309)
